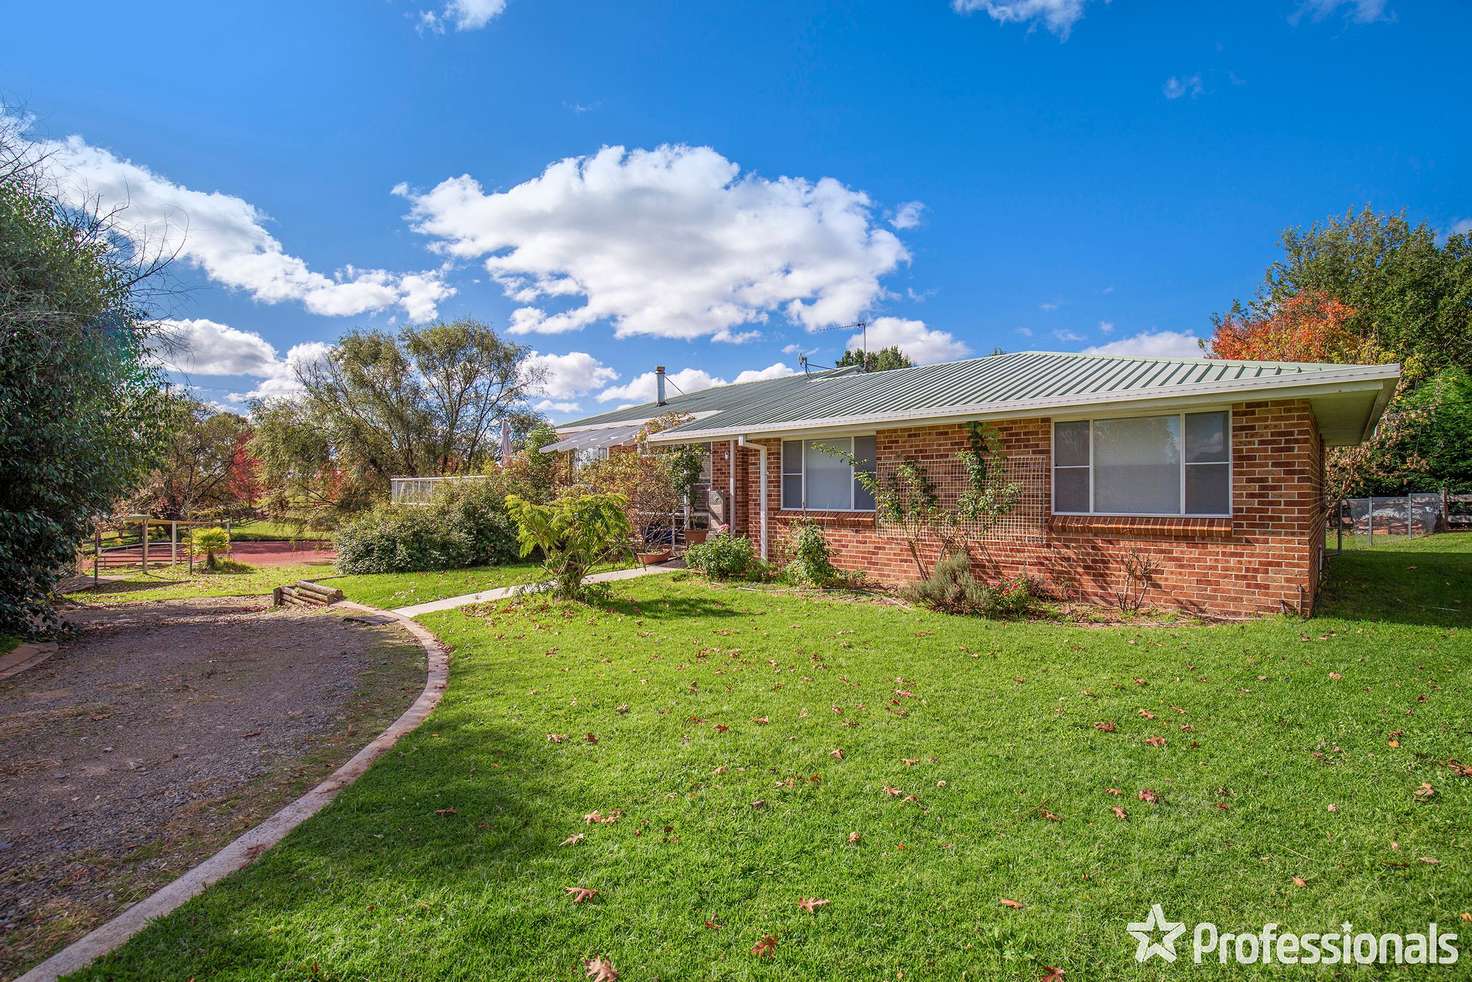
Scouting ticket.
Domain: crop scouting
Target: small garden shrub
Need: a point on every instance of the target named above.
(811, 564)
(211, 542)
(724, 557)
(575, 533)
(466, 524)
(953, 589)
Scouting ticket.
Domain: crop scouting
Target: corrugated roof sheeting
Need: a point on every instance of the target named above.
(1018, 377)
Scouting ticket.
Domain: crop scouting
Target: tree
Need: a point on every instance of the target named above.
(206, 464)
(428, 401)
(1411, 298)
(82, 407)
(876, 361)
(1308, 326)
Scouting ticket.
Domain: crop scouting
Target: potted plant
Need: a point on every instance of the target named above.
(654, 543)
(694, 535)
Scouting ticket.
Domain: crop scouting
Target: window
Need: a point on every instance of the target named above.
(1178, 464)
(817, 480)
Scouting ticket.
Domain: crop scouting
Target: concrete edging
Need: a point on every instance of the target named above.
(244, 850)
(27, 654)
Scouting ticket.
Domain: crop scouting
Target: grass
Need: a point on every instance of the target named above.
(8, 643)
(176, 583)
(267, 531)
(389, 590)
(445, 860)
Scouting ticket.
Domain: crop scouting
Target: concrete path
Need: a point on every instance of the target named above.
(501, 593)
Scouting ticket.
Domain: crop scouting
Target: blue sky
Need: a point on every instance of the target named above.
(1053, 174)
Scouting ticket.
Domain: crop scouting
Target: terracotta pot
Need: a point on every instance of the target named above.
(696, 536)
(650, 558)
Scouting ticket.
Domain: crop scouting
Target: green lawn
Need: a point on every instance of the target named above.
(1277, 749)
(403, 589)
(8, 643)
(176, 583)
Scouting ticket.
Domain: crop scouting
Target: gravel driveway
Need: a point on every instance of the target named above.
(161, 732)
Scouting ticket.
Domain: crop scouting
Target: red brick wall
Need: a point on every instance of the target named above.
(1261, 560)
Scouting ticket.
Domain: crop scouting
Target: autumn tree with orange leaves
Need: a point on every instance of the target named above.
(1311, 326)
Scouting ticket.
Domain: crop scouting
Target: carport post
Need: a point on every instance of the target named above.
(145, 545)
(174, 543)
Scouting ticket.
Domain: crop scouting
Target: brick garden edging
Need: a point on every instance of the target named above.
(244, 850)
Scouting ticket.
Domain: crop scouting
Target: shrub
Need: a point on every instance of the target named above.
(953, 589)
(811, 563)
(576, 532)
(465, 524)
(724, 557)
(211, 542)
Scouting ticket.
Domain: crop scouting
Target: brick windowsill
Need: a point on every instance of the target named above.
(859, 518)
(1141, 526)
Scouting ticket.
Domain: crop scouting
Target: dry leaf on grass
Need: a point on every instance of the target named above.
(1148, 794)
(1120, 813)
(1009, 902)
(711, 924)
(811, 904)
(1106, 726)
(764, 947)
(892, 791)
(1425, 792)
(581, 894)
(836, 753)
(574, 839)
(1052, 973)
(600, 969)
(853, 838)
(556, 737)
(1300, 882)
(447, 811)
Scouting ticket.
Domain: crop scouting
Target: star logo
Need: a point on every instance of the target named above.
(1145, 931)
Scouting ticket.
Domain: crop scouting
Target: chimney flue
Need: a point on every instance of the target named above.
(659, 383)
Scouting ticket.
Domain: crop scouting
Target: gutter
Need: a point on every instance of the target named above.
(762, 493)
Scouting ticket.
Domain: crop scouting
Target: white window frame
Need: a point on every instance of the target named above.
(783, 473)
(1140, 414)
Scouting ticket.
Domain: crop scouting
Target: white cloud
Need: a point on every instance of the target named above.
(923, 344)
(643, 388)
(1189, 85)
(1106, 327)
(567, 376)
(280, 381)
(1058, 15)
(1151, 344)
(907, 215)
(554, 406)
(206, 347)
(673, 242)
(1461, 227)
(1025, 331)
(1067, 336)
(736, 337)
(1359, 11)
(223, 235)
(462, 15)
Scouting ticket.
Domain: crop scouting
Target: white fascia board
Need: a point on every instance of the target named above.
(1355, 378)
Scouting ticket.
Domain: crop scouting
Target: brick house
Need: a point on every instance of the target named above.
(1206, 474)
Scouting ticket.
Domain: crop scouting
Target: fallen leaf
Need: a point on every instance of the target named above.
(622, 708)
(574, 839)
(1146, 714)
(1148, 794)
(1009, 902)
(759, 803)
(581, 894)
(722, 728)
(1300, 882)
(590, 738)
(1335, 676)
(1049, 815)
(1425, 792)
(720, 770)
(1114, 791)
(711, 924)
(1106, 726)
(556, 737)
(909, 761)
(836, 753)
(853, 838)
(1155, 741)
(1052, 973)
(764, 947)
(760, 720)
(1465, 915)
(811, 904)
(1333, 808)
(447, 811)
(600, 969)
(1120, 813)
(892, 791)
(1430, 860)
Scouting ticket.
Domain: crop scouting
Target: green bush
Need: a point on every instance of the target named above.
(811, 564)
(724, 557)
(211, 542)
(575, 533)
(952, 589)
(465, 524)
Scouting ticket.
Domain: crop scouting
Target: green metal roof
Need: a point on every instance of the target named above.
(1006, 384)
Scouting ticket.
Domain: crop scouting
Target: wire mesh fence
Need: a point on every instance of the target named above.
(1010, 503)
(1365, 522)
(420, 490)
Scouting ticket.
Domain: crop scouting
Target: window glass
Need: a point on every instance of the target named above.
(1071, 444)
(864, 453)
(1208, 489)
(829, 478)
(706, 464)
(791, 474)
(1071, 489)
(1137, 465)
(1206, 438)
